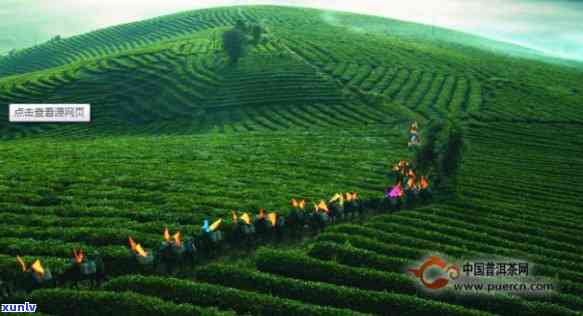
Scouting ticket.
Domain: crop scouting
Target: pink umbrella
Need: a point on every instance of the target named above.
(396, 191)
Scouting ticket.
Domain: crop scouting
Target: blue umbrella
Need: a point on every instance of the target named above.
(205, 226)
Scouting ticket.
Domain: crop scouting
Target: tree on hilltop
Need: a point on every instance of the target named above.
(256, 31)
(234, 44)
(236, 39)
(241, 26)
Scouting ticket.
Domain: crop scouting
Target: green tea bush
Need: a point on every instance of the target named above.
(385, 303)
(98, 303)
(183, 291)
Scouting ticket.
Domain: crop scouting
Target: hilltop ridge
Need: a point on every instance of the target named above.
(317, 65)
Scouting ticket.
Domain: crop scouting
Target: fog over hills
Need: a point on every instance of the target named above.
(552, 27)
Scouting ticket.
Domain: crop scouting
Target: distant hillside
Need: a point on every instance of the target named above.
(170, 75)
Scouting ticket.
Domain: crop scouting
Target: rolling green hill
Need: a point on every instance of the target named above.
(321, 105)
(314, 62)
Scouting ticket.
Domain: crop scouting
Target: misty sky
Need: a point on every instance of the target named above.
(552, 26)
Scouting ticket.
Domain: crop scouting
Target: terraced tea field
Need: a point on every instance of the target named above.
(321, 105)
(140, 185)
(360, 267)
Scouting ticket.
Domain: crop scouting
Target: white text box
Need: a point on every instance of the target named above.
(50, 113)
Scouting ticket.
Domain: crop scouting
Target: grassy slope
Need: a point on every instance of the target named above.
(175, 79)
(314, 110)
